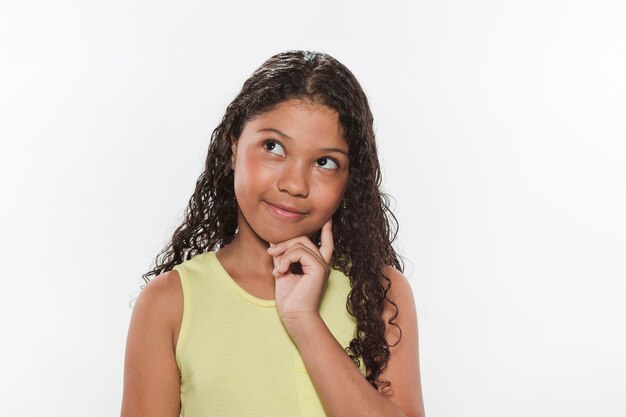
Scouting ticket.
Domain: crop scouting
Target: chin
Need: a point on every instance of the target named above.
(276, 236)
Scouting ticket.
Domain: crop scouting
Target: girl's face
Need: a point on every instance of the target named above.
(291, 169)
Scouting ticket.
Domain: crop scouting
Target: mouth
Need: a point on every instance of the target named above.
(284, 211)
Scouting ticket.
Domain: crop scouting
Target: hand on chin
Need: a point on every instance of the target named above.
(301, 270)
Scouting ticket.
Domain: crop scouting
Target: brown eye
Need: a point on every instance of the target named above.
(271, 145)
(327, 163)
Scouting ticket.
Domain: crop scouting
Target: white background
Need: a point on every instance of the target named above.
(501, 131)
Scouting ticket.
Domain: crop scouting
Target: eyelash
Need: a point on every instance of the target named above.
(324, 157)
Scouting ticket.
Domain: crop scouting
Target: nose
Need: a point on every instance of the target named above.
(293, 179)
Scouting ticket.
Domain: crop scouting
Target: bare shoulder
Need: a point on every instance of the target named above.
(151, 375)
(399, 305)
(163, 298)
(165, 287)
(397, 278)
(399, 291)
(403, 368)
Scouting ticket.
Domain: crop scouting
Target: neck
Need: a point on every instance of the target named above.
(250, 249)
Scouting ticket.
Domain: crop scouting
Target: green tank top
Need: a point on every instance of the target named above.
(233, 353)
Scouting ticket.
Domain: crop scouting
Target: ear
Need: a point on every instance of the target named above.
(233, 149)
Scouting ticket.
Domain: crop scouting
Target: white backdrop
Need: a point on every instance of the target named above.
(502, 136)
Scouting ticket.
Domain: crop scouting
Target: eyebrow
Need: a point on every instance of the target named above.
(269, 129)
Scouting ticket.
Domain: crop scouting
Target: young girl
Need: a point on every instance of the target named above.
(280, 294)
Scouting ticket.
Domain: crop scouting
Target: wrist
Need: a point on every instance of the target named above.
(299, 323)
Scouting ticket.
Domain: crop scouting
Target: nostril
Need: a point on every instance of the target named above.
(294, 185)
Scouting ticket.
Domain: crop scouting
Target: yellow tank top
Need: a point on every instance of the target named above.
(234, 355)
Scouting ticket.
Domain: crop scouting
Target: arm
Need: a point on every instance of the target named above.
(341, 387)
(151, 378)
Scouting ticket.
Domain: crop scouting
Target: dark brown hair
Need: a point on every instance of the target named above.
(363, 231)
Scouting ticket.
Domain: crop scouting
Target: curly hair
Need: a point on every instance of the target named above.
(364, 228)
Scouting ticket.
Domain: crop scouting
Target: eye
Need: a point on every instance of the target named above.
(271, 145)
(324, 163)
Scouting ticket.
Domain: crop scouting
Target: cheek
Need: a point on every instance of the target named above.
(251, 176)
(330, 196)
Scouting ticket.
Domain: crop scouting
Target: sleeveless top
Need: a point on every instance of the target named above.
(233, 353)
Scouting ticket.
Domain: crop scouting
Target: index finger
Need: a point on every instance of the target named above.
(326, 239)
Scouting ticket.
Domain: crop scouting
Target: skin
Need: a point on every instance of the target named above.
(259, 259)
(298, 171)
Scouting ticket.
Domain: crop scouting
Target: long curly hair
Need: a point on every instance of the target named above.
(363, 227)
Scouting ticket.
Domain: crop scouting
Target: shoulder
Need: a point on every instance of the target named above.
(162, 290)
(161, 300)
(399, 286)
(399, 304)
(151, 375)
(397, 278)
(403, 369)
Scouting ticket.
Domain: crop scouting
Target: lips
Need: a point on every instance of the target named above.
(287, 208)
(285, 211)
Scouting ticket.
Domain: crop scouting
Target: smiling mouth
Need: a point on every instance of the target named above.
(282, 212)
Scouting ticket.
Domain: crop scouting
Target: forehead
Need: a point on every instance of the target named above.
(302, 121)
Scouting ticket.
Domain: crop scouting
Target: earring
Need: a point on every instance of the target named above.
(344, 203)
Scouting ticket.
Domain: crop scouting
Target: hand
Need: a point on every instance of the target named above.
(299, 295)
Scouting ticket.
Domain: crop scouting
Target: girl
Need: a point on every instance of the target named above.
(280, 294)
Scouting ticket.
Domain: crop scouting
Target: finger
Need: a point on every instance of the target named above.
(297, 248)
(275, 258)
(278, 249)
(303, 255)
(327, 244)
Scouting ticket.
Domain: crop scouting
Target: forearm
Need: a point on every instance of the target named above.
(343, 391)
